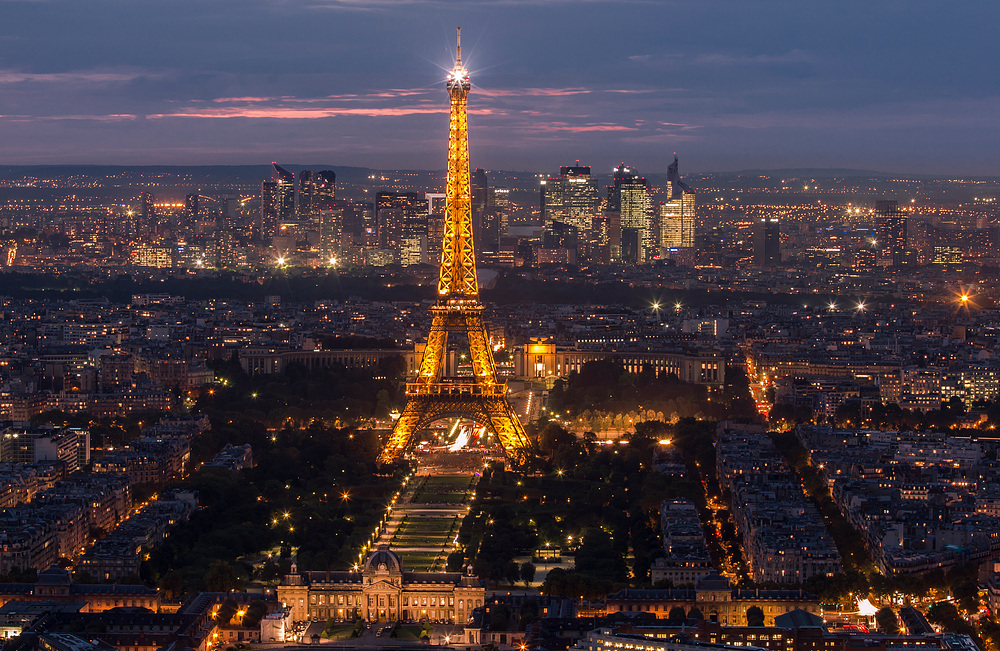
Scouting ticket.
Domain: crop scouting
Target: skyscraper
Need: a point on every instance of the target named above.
(480, 186)
(192, 208)
(326, 190)
(286, 193)
(677, 214)
(890, 234)
(307, 192)
(628, 196)
(147, 208)
(401, 225)
(435, 224)
(277, 202)
(767, 242)
(496, 219)
(317, 191)
(267, 222)
(147, 214)
(571, 200)
(226, 253)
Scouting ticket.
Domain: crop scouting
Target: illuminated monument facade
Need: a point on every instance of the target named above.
(432, 395)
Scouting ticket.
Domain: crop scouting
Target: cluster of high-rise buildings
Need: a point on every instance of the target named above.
(625, 225)
(312, 218)
(301, 221)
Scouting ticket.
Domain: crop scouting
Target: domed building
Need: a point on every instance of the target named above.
(382, 591)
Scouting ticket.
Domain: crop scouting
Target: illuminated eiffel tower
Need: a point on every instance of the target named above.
(432, 395)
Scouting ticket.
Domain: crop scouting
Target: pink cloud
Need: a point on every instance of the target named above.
(296, 113)
(580, 128)
(531, 92)
(242, 99)
(348, 97)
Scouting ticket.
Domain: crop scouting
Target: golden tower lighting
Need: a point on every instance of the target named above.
(433, 395)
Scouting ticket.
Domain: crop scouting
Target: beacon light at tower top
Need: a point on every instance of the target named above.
(459, 74)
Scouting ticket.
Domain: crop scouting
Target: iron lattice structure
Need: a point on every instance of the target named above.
(432, 395)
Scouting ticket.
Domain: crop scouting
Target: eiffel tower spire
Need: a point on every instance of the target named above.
(433, 395)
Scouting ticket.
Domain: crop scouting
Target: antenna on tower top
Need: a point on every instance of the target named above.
(458, 57)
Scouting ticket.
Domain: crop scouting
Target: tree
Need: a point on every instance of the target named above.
(171, 584)
(946, 614)
(254, 613)
(553, 437)
(527, 573)
(887, 621)
(221, 577)
(597, 556)
(694, 613)
(511, 572)
(676, 615)
(755, 616)
(456, 561)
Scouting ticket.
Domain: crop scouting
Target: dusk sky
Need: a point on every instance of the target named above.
(910, 86)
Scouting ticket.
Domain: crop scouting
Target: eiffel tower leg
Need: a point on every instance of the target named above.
(411, 420)
(508, 429)
(479, 349)
(415, 413)
(432, 363)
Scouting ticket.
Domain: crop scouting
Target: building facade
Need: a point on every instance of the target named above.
(890, 234)
(715, 599)
(382, 591)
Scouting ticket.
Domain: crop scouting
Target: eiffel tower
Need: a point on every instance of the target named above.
(432, 395)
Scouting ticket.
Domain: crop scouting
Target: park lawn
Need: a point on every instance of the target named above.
(421, 525)
(427, 522)
(462, 480)
(408, 632)
(424, 532)
(424, 561)
(444, 489)
(339, 632)
(446, 498)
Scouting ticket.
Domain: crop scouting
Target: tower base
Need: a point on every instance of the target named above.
(492, 410)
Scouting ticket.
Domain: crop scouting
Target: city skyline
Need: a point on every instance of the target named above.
(351, 83)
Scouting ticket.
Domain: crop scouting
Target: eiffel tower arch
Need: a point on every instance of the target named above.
(458, 310)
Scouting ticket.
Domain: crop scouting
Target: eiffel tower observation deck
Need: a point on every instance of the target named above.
(458, 311)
